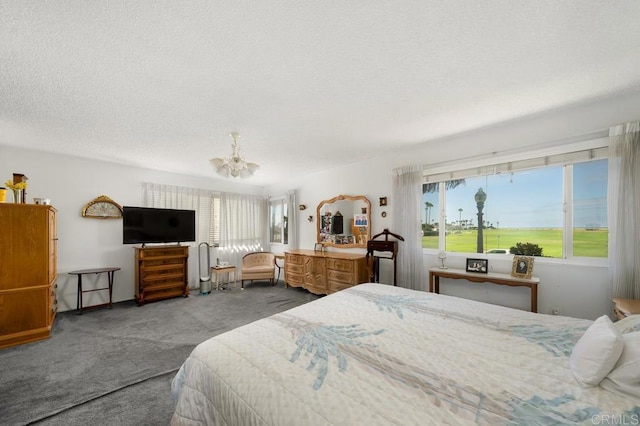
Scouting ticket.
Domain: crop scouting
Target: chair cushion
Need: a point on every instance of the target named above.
(258, 269)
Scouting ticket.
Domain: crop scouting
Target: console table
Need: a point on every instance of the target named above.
(491, 277)
(109, 271)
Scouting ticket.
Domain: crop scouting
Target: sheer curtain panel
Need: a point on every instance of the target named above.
(243, 226)
(624, 210)
(177, 197)
(292, 201)
(407, 192)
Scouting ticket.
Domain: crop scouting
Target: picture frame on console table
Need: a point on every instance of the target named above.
(477, 265)
(522, 267)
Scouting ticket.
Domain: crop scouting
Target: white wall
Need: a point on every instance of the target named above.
(71, 182)
(573, 288)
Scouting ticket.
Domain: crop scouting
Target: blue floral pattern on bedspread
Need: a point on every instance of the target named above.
(325, 340)
(540, 411)
(395, 303)
(321, 342)
(398, 303)
(557, 342)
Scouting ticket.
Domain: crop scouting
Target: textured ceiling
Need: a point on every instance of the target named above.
(308, 85)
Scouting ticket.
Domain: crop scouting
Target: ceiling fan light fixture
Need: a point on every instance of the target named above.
(234, 165)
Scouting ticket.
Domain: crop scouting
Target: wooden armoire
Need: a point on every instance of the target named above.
(28, 272)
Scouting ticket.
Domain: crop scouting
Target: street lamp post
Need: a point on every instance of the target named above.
(480, 198)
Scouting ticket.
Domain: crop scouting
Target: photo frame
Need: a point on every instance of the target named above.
(522, 267)
(383, 201)
(361, 220)
(480, 266)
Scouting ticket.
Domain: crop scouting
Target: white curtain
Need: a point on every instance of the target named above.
(624, 210)
(177, 197)
(292, 217)
(407, 192)
(243, 226)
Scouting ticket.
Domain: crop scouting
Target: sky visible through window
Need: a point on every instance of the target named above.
(527, 199)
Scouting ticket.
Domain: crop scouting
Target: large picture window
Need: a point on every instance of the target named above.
(553, 206)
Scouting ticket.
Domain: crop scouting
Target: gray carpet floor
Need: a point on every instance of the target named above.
(115, 366)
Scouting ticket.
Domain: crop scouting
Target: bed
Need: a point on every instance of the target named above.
(378, 354)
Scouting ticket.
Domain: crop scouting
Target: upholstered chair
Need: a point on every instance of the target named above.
(258, 266)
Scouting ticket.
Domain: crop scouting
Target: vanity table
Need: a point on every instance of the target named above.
(323, 272)
(343, 222)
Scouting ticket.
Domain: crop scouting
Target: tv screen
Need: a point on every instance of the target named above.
(150, 225)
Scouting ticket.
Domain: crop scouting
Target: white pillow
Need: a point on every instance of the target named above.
(628, 324)
(596, 353)
(624, 379)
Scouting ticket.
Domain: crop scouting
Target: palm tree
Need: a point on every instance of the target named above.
(432, 187)
(427, 207)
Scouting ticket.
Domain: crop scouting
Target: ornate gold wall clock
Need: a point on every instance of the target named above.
(102, 207)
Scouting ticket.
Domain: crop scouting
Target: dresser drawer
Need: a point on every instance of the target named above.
(161, 253)
(150, 271)
(294, 279)
(343, 277)
(294, 269)
(340, 265)
(293, 259)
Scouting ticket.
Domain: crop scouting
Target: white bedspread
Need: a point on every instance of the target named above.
(377, 354)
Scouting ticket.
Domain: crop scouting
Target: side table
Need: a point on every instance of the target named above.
(219, 270)
(110, 271)
(622, 308)
(279, 257)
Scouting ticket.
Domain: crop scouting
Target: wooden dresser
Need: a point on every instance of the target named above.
(161, 273)
(28, 255)
(324, 272)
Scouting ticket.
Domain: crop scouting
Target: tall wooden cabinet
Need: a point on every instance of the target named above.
(28, 272)
(324, 272)
(161, 273)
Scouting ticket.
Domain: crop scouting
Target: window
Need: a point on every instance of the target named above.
(553, 206)
(278, 221)
(590, 233)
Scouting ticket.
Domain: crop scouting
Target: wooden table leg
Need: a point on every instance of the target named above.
(434, 282)
(534, 298)
(110, 278)
(79, 304)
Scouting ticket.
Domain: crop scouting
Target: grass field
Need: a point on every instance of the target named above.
(585, 243)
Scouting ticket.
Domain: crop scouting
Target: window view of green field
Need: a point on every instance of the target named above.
(521, 207)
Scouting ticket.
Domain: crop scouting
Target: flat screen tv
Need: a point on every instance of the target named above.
(142, 225)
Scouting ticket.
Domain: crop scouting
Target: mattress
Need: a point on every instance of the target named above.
(378, 354)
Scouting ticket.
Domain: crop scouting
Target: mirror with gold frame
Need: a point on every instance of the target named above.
(344, 221)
